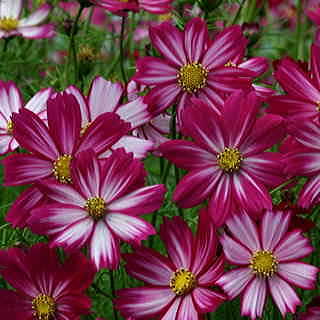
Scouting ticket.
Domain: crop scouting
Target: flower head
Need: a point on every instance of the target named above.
(44, 291)
(177, 284)
(268, 256)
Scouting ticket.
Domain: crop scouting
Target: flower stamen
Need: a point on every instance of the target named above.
(44, 307)
(230, 64)
(8, 23)
(10, 127)
(96, 207)
(182, 282)
(263, 263)
(192, 77)
(229, 159)
(61, 168)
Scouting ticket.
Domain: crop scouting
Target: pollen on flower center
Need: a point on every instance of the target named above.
(192, 77)
(96, 207)
(44, 307)
(318, 105)
(229, 159)
(84, 128)
(8, 23)
(263, 263)
(182, 282)
(61, 168)
(230, 64)
(9, 127)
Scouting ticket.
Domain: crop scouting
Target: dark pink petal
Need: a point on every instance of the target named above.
(267, 131)
(144, 302)
(20, 211)
(155, 71)
(250, 193)
(294, 246)
(128, 228)
(64, 120)
(274, 226)
(254, 298)
(310, 192)
(141, 201)
(235, 252)
(171, 313)
(72, 305)
(299, 274)
(315, 64)
(240, 110)
(257, 64)
(103, 132)
(14, 306)
(104, 247)
(149, 266)
(303, 161)
(235, 281)
(209, 277)
(196, 186)
(162, 97)
(186, 154)
(195, 39)
(178, 240)
(267, 167)
(207, 300)
(82, 101)
(25, 168)
(283, 295)
(104, 96)
(225, 46)
(245, 231)
(212, 97)
(295, 81)
(33, 135)
(202, 123)
(187, 309)
(37, 32)
(169, 42)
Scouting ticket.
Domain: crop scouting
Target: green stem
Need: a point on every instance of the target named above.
(299, 38)
(72, 47)
(123, 73)
(236, 17)
(113, 290)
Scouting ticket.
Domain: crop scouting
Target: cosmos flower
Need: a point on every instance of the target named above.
(302, 98)
(100, 208)
(193, 65)
(120, 6)
(44, 291)
(177, 286)
(268, 256)
(10, 102)
(12, 25)
(227, 160)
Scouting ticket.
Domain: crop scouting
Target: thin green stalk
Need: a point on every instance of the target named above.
(72, 46)
(282, 185)
(236, 17)
(123, 73)
(113, 291)
(299, 33)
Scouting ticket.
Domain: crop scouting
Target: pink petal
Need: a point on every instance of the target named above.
(310, 192)
(283, 295)
(36, 17)
(207, 300)
(38, 32)
(171, 313)
(178, 240)
(187, 309)
(209, 277)
(38, 103)
(82, 101)
(254, 298)
(14, 306)
(235, 281)
(315, 64)
(104, 247)
(257, 64)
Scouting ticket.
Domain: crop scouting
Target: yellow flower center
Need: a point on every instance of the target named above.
(61, 169)
(84, 129)
(9, 127)
(44, 307)
(182, 282)
(263, 263)
(229, 159)
(8, 24)
(230, 64)
(96, 207)
(192, 77)
(318, 105)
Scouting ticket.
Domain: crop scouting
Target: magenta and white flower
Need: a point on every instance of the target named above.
(100, 208)
(227, 158)
(10, 102)
(45, 288)
(193, 65)
(268, 258)
(178, 286)
(11, 24)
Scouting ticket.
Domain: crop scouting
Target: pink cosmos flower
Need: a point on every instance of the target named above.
(100, 208)
(12, 25)
(177, 286)
(49, 290)
(152, 6)
(302, 98)
(105, 96)
(193, 65)
(313, 311)
(10, 102)
(268, 256)
(227, 160)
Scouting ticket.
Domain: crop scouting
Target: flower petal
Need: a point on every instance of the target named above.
(36, 17)
(207, 300)
(37, 32)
